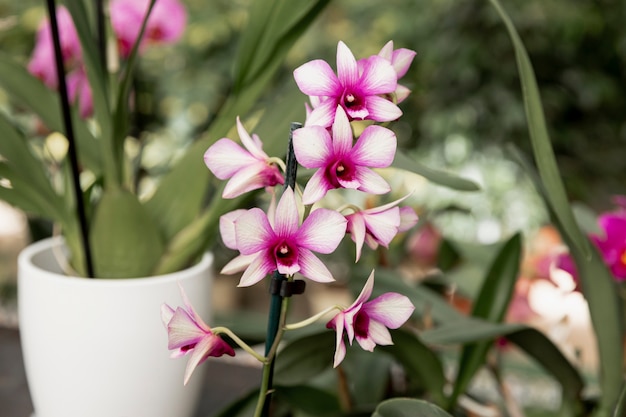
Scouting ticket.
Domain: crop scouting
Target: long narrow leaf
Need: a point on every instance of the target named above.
(598, 285)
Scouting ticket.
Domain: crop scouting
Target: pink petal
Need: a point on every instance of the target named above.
(253, 232)
(383, 226)
(402, 93)
(390, 309)
(182, 330)
(238, 264)
(251, 145)
(366, 292)
(377, 334)
(322, 231)
(387, 51)
(347, 69)
(211, 345)
(408, 219)
(375, 148)
(258, 269)
(371, 182)
(356, 225)
(379, 76)
(323, 114)
(382, 110)
(401, 60)
(227, 227)
(342, 133)
(340, 349)
(312, 146)
(252, 177)
(316, 188)
(312, 268)
(316, 78)
(352, 184)
(224, 158)
(287, 218)
(167, 313)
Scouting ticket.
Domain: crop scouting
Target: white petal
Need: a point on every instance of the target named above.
(323, 114)
(371, 182)
(379, 76)
(312, 146)
(253, 232)
(287, 217)
(347, 69)
(382, 110)
(253, 146)
(390, 309)
(376, 147)
(312, 268)
(383, 226)
(224, 158)
(238, 264)
(342, 133)
(258, 269)
(316, 78)
(322, 231)
(316, 188)
(356, 226)
(227, 227)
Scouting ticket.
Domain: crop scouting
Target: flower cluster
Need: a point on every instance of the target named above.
(166, 25)
(286, 237)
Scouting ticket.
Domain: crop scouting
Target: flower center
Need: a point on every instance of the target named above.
(622, 258)
(283, 251)
(361, 324)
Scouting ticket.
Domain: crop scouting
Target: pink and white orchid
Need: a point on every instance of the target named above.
(612, 243)
(188, 334)
(358, 91)
(248, 169)
(278, 243)
(379, 225)
(368, 321)
(401, 60)
(339, 164)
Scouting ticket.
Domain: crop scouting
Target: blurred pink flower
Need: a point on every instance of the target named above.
(247, 169)
(166, 23)
(279, 243)
(368, 321)
(612, 243)
(338, 163)
(79, 91)
(401, 60)
(41, 63)
(188, 334)
(423, 245)
(356, 90)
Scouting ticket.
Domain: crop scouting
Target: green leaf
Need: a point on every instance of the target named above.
(443, 178)
(419, 361)
(243, 407)
(125, 242)
(620, 407)
(406, 407)
(304, 358)
(468, 330)
(491, 305)
(597, 282)
(310, 400)
(33, 94)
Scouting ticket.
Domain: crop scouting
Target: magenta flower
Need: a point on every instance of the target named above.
(79, 90)
(188, 334)
(248, 169)
(339, 164)
(357, 90)
(368, 321)
(401, 60)
(165, 25)
(612, 244)
(278, 243)
(379, 225)
(41, 63)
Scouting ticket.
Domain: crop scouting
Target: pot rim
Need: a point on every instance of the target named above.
(27, 261)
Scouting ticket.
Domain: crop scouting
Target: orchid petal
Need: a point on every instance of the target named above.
(379, 76)
(390, 309)
(408, 218)
(252, 177)
(386, 51)
(366, 343)
(401, 60)
(287, 217)
(323, 114)
(238, 264)
(342, 133)
(316, 78)
(312, 268)
(167, 313)
(227, 227)
(347, 69)
(382, 110)
(366, 292)
(182, 330)
(375, 148)
(352, 183)
(253, 231)
(251, 145)
(370, 181)
(401, 93)
(356, 226)
(322, 231)
(224, 158)
(377, 334)
(340, 348)
(258, 269)
(312, 146)
(316, 188)
(383, 226)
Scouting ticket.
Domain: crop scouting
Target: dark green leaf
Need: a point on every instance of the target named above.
(406, 407)
(446, 179)
(243, 407)
(310, 400)
(304, 358)
(420, 362)
(620, 408)
(468, 330)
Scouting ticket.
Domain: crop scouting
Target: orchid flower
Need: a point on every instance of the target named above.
(379, 225)
(166, 23)
(41, 63)
(278, 243)
(248, 169)
(368, 321)
(188, 334)
(401, 60)
(227, 231)
(612, 244)
(79, 90)
(357, 90)
(339, 164)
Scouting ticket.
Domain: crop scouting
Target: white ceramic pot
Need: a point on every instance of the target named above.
(97, 347)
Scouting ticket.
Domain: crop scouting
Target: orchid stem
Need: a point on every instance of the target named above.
(278, 306)
(69, 134)
(240, 343)
(312, 319)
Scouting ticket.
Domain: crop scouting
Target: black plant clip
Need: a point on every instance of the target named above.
(286, 288)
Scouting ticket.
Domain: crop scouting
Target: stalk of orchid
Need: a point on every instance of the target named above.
(281, 242)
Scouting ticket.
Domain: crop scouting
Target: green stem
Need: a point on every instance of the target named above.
(240, 343)
(312, 319)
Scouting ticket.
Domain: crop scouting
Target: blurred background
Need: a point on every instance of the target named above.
(465, 114)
